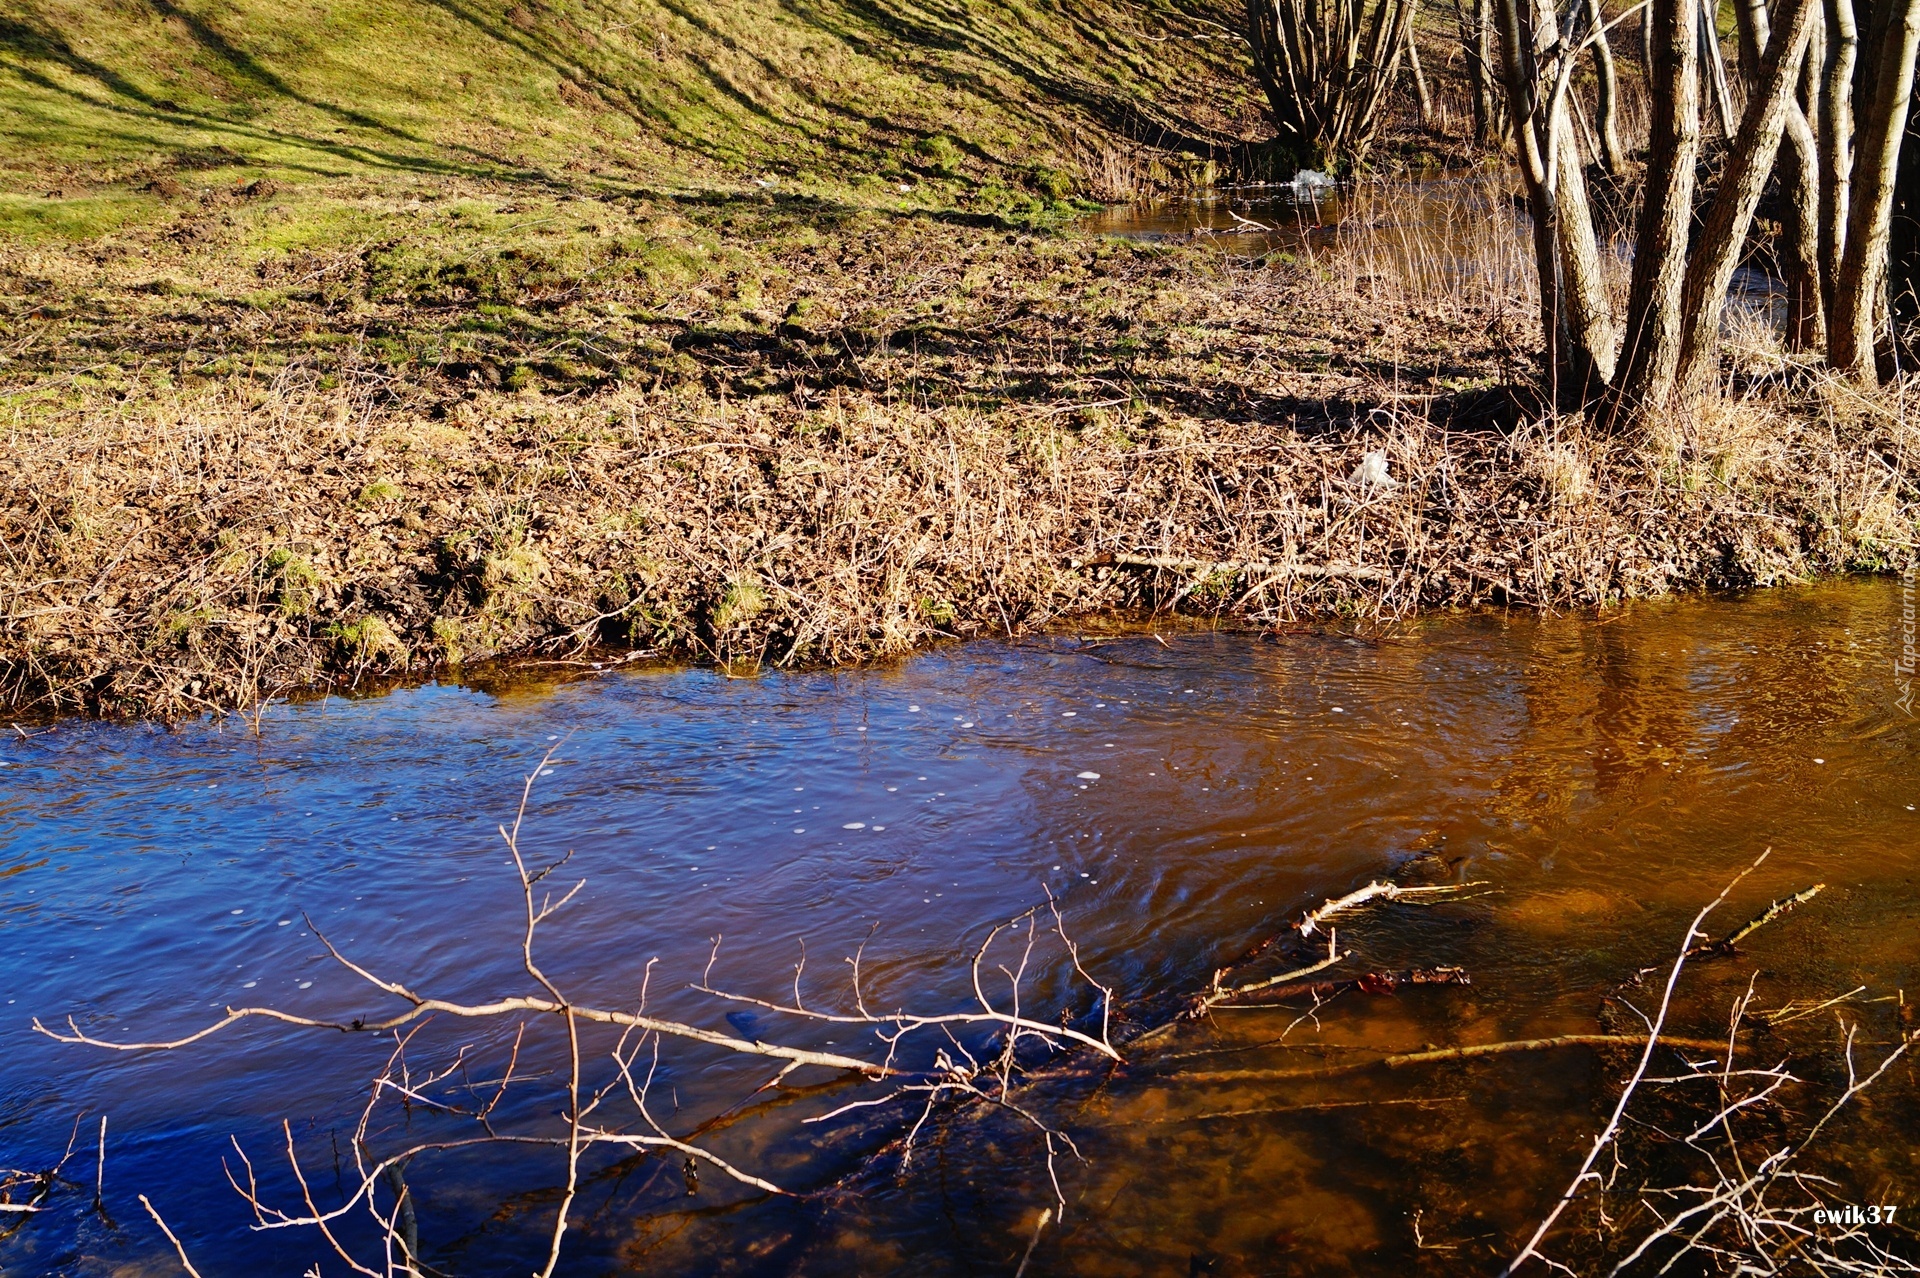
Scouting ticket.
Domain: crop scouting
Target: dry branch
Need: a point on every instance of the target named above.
(1272, 569)
(1366, 983)
(1785, 905)
(171, 1237)
(1382, 891)
(588, 1107)
(1654, 1027)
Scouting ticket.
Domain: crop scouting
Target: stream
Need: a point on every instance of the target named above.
(1182, 794)
(1442, 233)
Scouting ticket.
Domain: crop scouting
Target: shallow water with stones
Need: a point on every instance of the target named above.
(1181, 795)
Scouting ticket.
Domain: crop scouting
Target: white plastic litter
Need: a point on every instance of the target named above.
(1372, 472)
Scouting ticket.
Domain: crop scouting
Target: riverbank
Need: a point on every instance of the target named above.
(764, 430)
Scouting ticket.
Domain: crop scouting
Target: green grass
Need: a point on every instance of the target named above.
(991, 105)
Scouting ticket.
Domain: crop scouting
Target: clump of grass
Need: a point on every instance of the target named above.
(742, 601)
(293, 585)
(379, 493)
(1563, 461)
(939, 154)
(367, 641)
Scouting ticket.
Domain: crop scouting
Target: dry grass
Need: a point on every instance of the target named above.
(780, 433)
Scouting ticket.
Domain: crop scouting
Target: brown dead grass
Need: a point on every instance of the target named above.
(847, 440)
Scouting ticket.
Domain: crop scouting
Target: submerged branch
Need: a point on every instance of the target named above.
(1469, 1051)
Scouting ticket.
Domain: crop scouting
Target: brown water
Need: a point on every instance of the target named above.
(1459, 234)
(1603, 777)
(1435, 213)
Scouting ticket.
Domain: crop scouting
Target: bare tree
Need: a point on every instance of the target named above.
(1806, 320)
(1859, 291)
(1423, 96)
(1836, 142)
(1715, 63)
(1798, 170)
(1799, 110)
(1710, 270)
(1326, 67)
(1576, 314)
(1483, 84)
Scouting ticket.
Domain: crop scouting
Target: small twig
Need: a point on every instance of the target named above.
(1785, 905)
(154, 1212)
(1380, 891)
(1368, 983)
(1208, 567)
(1314, 1107)
(1046, 1216)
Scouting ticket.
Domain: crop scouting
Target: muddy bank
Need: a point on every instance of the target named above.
(812, 439)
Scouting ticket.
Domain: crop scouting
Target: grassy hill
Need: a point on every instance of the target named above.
(971, 103)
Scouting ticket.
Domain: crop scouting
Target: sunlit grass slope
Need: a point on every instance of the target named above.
(970, 102)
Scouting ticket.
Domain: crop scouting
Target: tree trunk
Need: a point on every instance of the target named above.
(1836, 144)
(1751, 24)
(1476, 44)
(1729, 217)
(1860, 286)
(1476, 50)
(1798, 167)
(1488, 56)
(1650, 352)
(1806, 324)
(1612, 157)
(1590, 316)
(1576, 316)
(1903, 254)
(1721, 95)
(1421, 93)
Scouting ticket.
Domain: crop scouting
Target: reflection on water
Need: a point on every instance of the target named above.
(1606, 777)
(1250, 220)
(1438, 233)
(1462, 237)
(1437, 211)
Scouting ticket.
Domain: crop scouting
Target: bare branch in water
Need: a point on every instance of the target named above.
(182, 1251)
(1601, 1141)
(378, 1184)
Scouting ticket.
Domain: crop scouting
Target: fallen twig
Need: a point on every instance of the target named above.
(1785, 905)
(1367, 983)
(1378, 890)
(1419, 1102)
(184, 1262)
(1242, 568)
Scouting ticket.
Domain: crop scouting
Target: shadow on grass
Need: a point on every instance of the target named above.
(127, 101)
